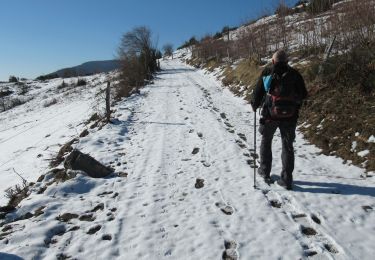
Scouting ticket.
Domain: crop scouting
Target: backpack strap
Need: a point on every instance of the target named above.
(267, 80)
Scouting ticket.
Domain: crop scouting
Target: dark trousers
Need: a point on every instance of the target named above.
(288, 134)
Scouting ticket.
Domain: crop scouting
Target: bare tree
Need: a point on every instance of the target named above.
(138, 56)
(168, 50)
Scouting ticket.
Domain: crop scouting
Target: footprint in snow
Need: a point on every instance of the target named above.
(94, 229)
(226, 209)
(240, 144)
(230, 252)
(195, 150)
(308, 231)
(242, 136)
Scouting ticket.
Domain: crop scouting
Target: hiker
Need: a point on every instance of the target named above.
(279, 92)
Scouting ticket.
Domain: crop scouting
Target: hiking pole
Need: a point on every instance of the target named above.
(255, 147)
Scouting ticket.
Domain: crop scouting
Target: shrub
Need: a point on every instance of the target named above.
(62, 85)
(188, 43)
(17, 193)
(81, 82)
(49, 102)
(319, 6)
(13, 79)
(46, 77)
(138, 58)
(283, 10)
(168, 49)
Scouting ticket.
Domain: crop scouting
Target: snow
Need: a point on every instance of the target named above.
(363, 153)
(371, 139)
(157, 213)
(30, 134)
(354, 146)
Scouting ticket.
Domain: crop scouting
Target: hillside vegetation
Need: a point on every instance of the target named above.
(340, 113)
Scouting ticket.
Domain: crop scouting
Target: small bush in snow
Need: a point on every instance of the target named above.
(13, 79)
(49, 102)
(17, 193)
(81, 82)
(63, 85)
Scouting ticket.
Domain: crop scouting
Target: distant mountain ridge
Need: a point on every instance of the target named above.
(87, 68)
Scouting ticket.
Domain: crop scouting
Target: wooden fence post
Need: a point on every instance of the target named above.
(108, 102)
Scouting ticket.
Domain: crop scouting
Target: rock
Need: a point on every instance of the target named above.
(41, 178)
(87, 217)
(200, 135)
(84, 133)
(75, 228)
(195, 150)
(66, 148)
(199, 183)
(100, 206)
(223, 116)
(7, 228)
(94, 229)
(275, 203)
(27, 215)
(83, 162)
(122, 174)
(39, 211)
(41, 190)
(7, 209)
(66, 217)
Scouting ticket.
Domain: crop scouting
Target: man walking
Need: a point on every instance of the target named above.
(279, 91)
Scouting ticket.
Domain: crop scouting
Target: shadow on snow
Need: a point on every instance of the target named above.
(333, 188)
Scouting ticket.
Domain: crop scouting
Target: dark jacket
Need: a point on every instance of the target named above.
(292, 79)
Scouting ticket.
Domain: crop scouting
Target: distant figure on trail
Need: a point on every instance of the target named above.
(279, 92)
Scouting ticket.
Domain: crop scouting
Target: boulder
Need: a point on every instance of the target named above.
(77, 160)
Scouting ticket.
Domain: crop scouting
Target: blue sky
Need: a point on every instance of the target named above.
(41, 36)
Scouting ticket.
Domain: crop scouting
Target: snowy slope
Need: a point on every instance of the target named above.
(31, 134)
(158, 213)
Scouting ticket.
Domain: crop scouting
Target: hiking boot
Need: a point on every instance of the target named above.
(264, 176)
(284, 185)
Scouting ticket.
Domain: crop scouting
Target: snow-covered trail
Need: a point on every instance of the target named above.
(183, 127)
(166, 216)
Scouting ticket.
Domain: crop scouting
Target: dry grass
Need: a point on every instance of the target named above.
(17, 193)
(246, 74)
(341, 104)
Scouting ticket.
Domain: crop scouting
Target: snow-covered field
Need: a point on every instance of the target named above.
(183, 127)
(32, 133)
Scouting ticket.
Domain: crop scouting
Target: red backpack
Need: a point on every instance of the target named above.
(281, 104)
